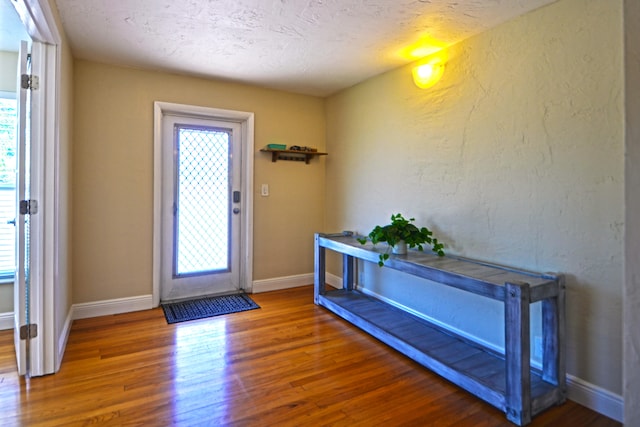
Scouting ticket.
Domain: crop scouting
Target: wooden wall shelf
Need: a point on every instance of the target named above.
(295, 155)
(506, 381)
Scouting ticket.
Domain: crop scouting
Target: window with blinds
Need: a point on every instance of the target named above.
(8, 123)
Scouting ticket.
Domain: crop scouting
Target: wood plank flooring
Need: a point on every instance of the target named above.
(288, 363)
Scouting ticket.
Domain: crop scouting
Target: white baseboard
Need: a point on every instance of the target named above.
(63, 338)
(113, 306)
(278, 283)
(6, 321)
(333, 280)
(596, 398)
(578, 390)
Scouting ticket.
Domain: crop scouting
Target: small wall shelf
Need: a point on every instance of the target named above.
(296, 155)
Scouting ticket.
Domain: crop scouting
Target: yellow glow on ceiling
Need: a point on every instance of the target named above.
(424, 46)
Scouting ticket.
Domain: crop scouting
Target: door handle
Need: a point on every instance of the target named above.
(236, 211)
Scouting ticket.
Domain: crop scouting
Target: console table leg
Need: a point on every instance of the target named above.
(517, 353)
(553, 330)
(348, 272)
(319, 276)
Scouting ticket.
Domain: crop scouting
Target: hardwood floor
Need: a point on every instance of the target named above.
(288, 363)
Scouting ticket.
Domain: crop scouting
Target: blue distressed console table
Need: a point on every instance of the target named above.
(506, 381)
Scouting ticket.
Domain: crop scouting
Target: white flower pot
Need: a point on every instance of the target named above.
(399, 248)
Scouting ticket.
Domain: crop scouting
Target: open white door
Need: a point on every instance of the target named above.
(28, 308)
(38, 249)
(21, 290)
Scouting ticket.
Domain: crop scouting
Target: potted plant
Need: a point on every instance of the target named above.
(400, 234)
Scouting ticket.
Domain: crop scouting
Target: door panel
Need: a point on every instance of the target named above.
(200, 221)
(21, 287)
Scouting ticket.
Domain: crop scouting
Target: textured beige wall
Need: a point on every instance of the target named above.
(515, 156)
(113, 175)
(631, 298)
(6, 297)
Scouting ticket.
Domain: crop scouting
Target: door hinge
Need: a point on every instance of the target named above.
(28, 207)
(29, 81)
(28, 331)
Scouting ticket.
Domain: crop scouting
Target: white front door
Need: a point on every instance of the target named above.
(201, 206)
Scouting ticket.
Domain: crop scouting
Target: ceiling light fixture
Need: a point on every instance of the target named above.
(427, 73)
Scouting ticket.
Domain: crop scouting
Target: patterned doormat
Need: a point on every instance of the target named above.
(201, 308)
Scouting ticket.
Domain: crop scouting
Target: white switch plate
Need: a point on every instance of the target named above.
(264, 190)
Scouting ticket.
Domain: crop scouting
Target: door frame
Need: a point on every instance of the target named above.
(246, 121)
(46, 348)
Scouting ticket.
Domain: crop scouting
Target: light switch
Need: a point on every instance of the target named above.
(264, 191)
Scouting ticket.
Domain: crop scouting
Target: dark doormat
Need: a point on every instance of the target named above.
(201, 308)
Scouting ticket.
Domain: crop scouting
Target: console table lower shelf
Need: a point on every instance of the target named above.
(466, 364)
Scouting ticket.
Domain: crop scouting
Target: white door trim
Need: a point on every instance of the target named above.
(37, 17)
(246, 120)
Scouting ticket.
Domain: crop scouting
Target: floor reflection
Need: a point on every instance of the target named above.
(205, 341)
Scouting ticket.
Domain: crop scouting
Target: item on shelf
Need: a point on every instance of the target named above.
(303, 148)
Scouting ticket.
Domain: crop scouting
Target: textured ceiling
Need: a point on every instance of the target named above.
(313, 47)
